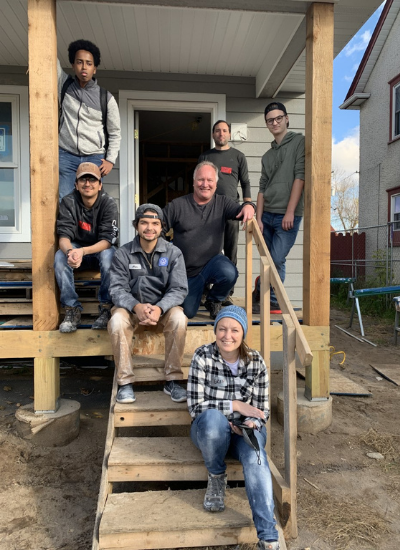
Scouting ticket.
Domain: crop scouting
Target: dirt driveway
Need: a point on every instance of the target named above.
(346, 499)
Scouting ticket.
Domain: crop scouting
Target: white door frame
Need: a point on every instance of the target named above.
(129, 101)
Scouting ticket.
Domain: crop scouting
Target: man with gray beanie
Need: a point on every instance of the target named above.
(148, 285)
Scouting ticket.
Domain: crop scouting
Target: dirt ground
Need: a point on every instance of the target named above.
(345, 499)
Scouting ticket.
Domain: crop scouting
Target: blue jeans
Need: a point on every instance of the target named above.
(68, 165)
(211, 433)
(221, 273)
(279, 242)
(65, 275)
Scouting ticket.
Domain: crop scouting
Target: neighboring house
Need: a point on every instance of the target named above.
(174, 71)
(375, 92)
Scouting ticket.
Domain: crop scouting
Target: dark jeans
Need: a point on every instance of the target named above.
(219, 272)
(231, 238)
(65, 275)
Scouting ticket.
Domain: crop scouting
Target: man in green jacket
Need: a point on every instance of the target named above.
(280, 202)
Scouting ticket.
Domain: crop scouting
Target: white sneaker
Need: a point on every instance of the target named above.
(126, 394)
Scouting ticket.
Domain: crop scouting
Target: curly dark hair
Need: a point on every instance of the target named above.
(83, 45)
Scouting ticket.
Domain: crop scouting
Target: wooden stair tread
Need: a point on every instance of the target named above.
(157, 360)
(174, 519)
(151, 408)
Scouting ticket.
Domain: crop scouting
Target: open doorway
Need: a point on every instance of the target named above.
(170, 144)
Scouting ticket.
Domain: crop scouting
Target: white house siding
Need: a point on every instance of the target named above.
(241, 107)
(379, 159)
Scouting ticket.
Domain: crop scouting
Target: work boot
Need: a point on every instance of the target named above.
(103, 318)
(72, 319)
(126, 394)
(177, 393)
(264, 545)
(213, 307)
(228, 301)
(255, 298)
(215, 494)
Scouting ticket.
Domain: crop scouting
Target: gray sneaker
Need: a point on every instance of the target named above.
(103, 318)
(177, 393)
(264, 545)
(72, 319)
(126, 394)
(215, 494)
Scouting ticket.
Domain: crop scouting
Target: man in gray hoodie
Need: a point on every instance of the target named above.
(280, 202)
(148, 286)
(89, 127)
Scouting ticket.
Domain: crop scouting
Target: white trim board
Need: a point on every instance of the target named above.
(131, 100)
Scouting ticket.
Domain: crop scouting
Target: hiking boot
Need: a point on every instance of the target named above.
(126, 394)
(228, 301)
(72, 319)
(215, 494)
(213, 307)
(177, 393)
(103, 318)
(255, 303)
(274, 306)
(264, 545)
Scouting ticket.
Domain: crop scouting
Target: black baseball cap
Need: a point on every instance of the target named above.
(140, 210)
(274, 106)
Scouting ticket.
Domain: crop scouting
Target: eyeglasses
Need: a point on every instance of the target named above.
(90, 179)
(277, 119)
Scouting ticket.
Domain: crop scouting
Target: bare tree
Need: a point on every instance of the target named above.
(344, 202)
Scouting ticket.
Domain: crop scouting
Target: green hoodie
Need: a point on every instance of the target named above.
(280, 166)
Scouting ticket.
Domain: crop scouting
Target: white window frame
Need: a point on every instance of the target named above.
(392, 213)
(394, 89)
(131, 101)
(21, 232)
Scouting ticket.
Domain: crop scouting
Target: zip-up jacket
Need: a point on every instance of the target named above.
(87, 226)
(160, 281)
(81, 125)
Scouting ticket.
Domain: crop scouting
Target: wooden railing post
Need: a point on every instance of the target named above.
(248, 284)
(265, 324)
(290, 416)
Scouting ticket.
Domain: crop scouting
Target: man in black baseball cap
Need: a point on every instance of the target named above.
(148, 286)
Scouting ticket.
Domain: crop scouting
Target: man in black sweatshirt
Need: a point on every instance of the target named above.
(198, 221)
(87, 230)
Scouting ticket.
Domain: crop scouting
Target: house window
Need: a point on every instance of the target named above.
(394, 108)
(14, 165)
(394, 214)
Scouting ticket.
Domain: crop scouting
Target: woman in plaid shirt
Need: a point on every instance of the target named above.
(228, 377)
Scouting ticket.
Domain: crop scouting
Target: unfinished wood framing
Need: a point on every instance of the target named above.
(317, 191)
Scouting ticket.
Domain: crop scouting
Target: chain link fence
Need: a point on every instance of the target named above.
(369, 254)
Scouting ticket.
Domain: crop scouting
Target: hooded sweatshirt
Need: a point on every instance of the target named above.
(280, 166)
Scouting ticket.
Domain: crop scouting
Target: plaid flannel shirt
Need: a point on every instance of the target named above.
(211, 384)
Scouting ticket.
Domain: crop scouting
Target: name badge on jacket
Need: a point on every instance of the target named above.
(135, 266)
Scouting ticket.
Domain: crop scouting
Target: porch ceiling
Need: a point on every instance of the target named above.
(265, 40)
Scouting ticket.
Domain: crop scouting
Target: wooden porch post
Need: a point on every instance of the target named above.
(316, 268)
(43, 107)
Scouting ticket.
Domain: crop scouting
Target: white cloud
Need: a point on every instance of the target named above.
(348, 78)
(358, 43)
(345, 153)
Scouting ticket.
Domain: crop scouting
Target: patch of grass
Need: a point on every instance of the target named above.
(345, 524)
(380, 442)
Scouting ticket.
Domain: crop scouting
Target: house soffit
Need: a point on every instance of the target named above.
(265, 41)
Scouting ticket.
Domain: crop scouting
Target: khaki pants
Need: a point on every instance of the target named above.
(122, 327)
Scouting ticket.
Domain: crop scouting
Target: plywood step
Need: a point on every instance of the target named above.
(174, 519)
(161, 458)
(151, 408)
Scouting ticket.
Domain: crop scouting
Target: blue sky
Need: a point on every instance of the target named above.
(345, 124)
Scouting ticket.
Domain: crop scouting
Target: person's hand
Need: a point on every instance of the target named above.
(235, 429)
(74, 258)
(287, 222)
(154, 313)
(246, 214)
(260, 225)
(143, 312)
(105, 167)
(245, 409)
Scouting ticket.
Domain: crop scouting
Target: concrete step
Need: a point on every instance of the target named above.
(162, 459)
(174, 519)
(151, 408)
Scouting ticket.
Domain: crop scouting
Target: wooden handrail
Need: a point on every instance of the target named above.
(293, 340)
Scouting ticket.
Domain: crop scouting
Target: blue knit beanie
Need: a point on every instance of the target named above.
(235, 312)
